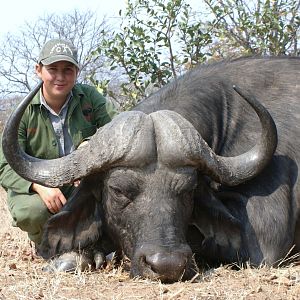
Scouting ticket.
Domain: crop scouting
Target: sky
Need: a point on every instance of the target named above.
(14, 13)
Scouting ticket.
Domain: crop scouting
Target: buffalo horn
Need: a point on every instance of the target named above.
(125, 139)
(180, 144)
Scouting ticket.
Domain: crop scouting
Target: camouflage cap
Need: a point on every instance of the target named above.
(58, 50)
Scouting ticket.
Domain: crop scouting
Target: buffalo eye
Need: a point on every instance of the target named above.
(123, 195)
(123, 186)
(119, 191)
(128, 191)
(120, 197)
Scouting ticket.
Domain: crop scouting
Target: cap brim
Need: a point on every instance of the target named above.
(54, 59)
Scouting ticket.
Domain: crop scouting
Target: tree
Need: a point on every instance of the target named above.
(160, 39)
(19, 53)
(157, 41)
(255, 27)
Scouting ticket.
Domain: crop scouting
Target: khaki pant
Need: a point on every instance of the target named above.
(29, 213)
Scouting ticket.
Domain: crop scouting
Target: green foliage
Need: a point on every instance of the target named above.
(255, 27)
(160, 39)
(157, 41)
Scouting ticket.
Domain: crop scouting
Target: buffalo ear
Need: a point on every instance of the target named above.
(75, 227)
(220, 230)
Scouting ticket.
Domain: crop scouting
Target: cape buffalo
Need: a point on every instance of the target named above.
(193, 171)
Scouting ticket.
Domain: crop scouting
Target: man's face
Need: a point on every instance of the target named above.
(59, 78)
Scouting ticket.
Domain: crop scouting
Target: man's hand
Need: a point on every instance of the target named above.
(52, 197)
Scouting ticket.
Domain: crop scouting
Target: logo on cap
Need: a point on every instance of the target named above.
(61, 48)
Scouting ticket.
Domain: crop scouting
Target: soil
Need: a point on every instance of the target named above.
(22, 277)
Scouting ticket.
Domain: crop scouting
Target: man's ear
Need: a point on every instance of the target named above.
(38, 70)
(75, 227)
(78, 72)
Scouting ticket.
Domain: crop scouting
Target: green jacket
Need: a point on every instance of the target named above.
(87, 111)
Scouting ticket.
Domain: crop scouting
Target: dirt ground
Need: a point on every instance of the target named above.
(21, 277)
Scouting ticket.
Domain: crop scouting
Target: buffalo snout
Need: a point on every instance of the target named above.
(167, 265)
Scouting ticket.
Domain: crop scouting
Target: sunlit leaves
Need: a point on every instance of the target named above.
(256, 27)
(157, 41)
(160, 39)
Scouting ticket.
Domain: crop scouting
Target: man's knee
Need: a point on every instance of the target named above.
(28, 211)
(35, 213)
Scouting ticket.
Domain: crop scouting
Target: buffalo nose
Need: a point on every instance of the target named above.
(168, 265)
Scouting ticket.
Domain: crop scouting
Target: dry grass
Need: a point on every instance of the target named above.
(21, 277)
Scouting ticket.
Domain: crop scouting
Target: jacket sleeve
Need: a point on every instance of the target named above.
(9, 179)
